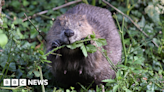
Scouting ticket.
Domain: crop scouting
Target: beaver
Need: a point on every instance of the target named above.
(72, 67)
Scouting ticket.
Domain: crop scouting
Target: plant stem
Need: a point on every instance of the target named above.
(93, 2)
(41, 77)
(7, 63)
(54, 50)
(123, 43)
(11, 88)
(54, 9)
(127, 4)
(122, 37)
(108, 59)
(128, 12)
(129, 48)
(85, 1)
(35, 28)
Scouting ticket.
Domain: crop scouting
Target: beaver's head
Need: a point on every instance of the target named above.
(67, 29)
(72, 28)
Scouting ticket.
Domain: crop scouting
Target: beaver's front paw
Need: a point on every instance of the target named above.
(53, 55)
(56, 43)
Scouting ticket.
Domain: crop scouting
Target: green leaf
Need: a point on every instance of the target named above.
(67, 90)
(19, 34)
(84, 50)
(93, 36)
(15, 90)
(47, 61)
(126, 90)
(12, 26)
(18, 73)
(123, 66)
(33, 33)
(153, 13)
(30, 72)
(142, 22)
(25, 3)
(118, 74)
(109, 80)
(72, 88)
(1, 31)
(17, 21)
(37, 74)
(44, 57)
(12, 66)
(3, 40)
(101, 42)
(115, 88)
(91, 48)
(74, 45)
(41, 52)
(23, 90)
(71, 46)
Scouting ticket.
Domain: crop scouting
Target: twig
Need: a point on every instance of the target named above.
(34, 26)
(7, 16)
(56, 8)
(31, 22)
(11, 88)
(130, 20)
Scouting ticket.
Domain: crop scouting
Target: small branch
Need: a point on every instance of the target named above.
(56, 8)
(31, 22)
(130, 20)
(34, 26)
(7, 16)
(11, 88)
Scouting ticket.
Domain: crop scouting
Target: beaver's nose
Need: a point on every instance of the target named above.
(68, 32)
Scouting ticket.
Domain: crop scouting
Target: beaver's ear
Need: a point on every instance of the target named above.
(65, 18)
(62, 17)
(83, 17)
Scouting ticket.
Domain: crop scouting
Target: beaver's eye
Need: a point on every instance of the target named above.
(80, 24)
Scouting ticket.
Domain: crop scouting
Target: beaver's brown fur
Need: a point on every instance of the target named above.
(72, 67)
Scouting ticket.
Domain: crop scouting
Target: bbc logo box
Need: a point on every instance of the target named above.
(14, 82)
(22, 82)
(6, 82)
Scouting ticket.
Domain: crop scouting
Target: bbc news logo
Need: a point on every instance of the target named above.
(24, 82)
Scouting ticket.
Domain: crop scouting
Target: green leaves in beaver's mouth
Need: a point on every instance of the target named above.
(101, 42)
(89, 47)
(85, 47)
